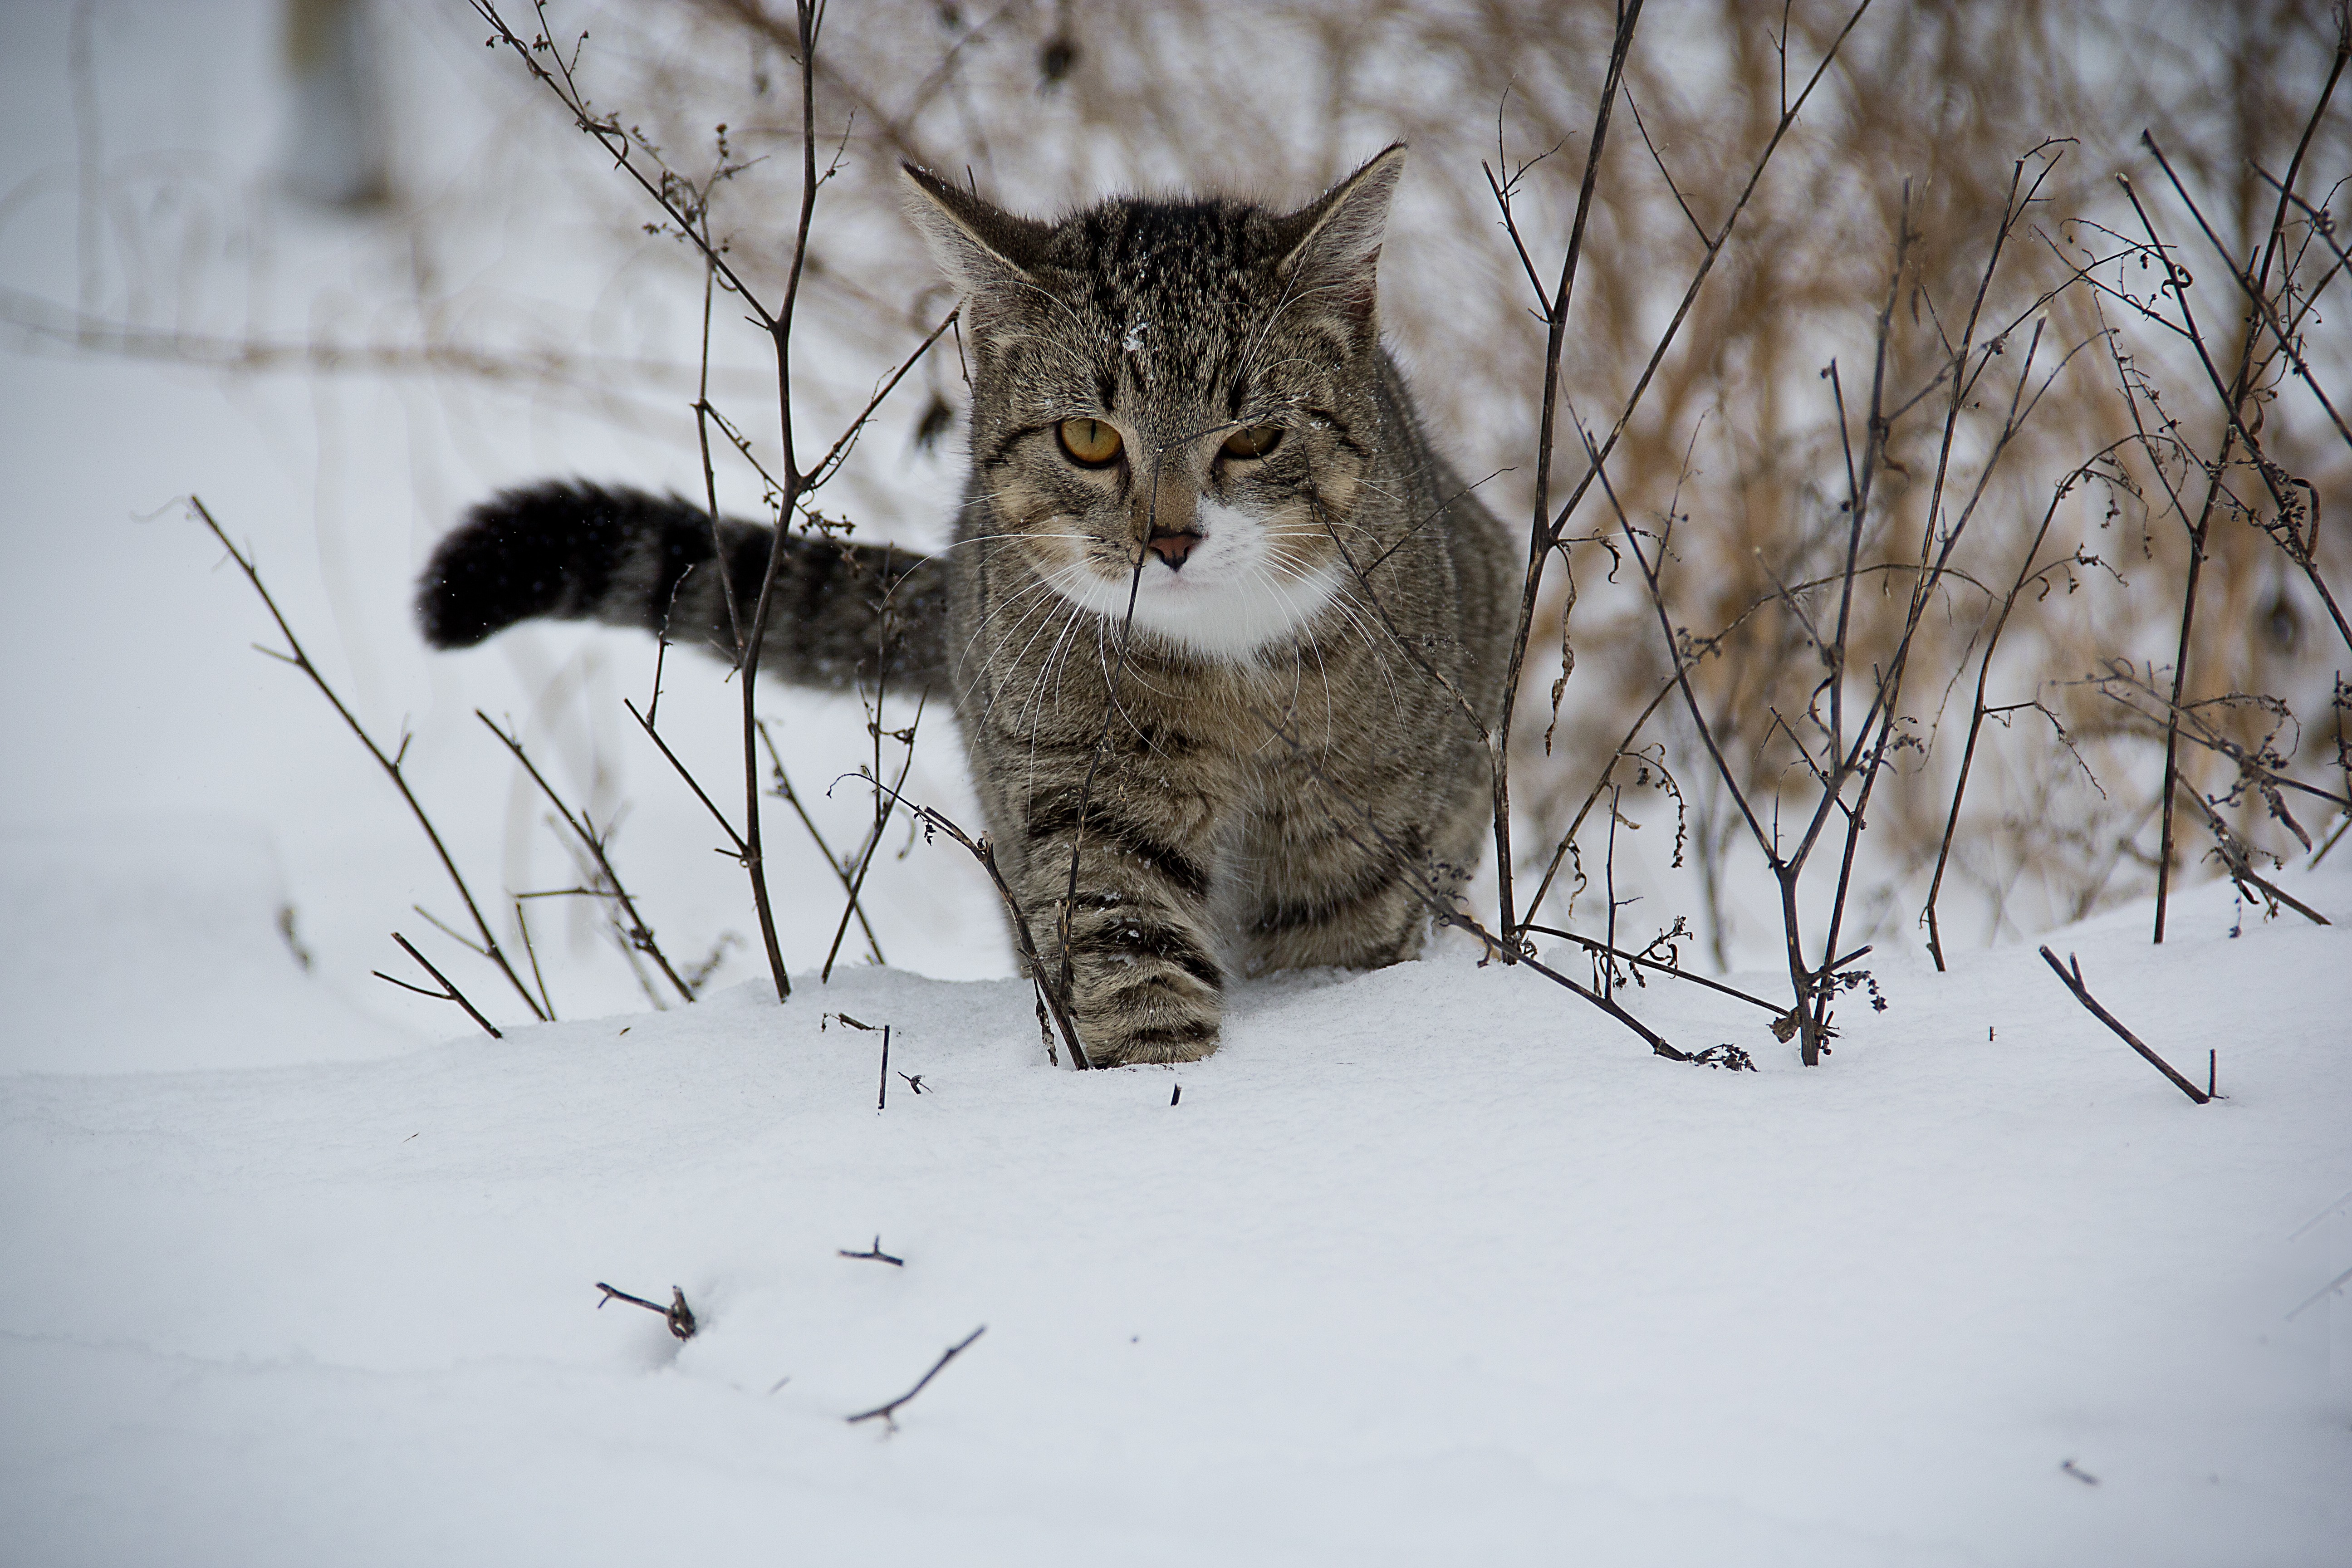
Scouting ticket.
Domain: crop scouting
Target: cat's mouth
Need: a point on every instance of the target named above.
(1220, 591)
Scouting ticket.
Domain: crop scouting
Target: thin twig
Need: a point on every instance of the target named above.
(1977, 712)
(839, 866)
(1049, 996)
(833, 459)
(1542, 536)
(874, 1254)
(448, 993)
(2234, 857)
(882, 809)
(2070, 972)
(391, 765)
(889, 1413)
(683, 771)
(677, 1314)
(638, 934)
(1657, 968)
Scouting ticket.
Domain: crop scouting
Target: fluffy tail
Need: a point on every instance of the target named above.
(843, 614)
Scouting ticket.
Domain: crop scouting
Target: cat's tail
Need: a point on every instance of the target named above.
(843, 614)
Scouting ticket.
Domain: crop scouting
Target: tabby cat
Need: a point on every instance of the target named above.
(1211, 621)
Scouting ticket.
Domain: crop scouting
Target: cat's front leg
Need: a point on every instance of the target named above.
(1144, 983)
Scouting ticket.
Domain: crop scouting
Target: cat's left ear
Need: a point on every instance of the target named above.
(1331, 247)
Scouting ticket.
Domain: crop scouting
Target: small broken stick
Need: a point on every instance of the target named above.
(2070, 972)
(677, 1314)
(889, 1413)
(874, 1254)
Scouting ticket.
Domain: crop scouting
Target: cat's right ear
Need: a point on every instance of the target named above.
(982, 248)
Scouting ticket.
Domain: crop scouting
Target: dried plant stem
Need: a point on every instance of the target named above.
(2070, 972)
(889, 1413)
(391, 765)
(840, 867)
(638, 934)
(448, 993)
(734, 838)
(2241, 871)
(2254, 287)
(884, 804)
(686, 208)
(1623, 749)
(2232, 396)
(677, 1314)
(1541, 537)
(831, 461)
(1554, 530)
(1049, 997)
(1654, 967)
(2197, 536)
(1978, 711)
(1444, 908)
(522, 929)
(703, 414)
(809, 15)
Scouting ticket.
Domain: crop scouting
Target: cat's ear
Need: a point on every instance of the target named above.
(981, 248)
(1330, 248)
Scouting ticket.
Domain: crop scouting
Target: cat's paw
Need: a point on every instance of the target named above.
(1109, 1046)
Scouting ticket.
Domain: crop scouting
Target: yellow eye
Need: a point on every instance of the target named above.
(1255, 441)
(1090, 443)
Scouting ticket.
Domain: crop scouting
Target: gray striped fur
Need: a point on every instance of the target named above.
(1217, 685)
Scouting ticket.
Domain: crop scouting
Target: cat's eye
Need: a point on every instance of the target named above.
(1252, 441)
(1090, 443)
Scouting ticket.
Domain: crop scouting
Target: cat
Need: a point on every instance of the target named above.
(1214, 622)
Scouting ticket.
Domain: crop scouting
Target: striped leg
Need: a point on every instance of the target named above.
(1324, 894)
(1145, 983)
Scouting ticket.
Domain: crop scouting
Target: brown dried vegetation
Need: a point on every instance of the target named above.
(1924, 116)
(2070, 479)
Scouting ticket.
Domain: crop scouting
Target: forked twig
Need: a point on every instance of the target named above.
(677, 1314)
(874, 1254)
(448, 993)
(637, 933)
(889, 1413)
(300, 660)
(2070, 972)
(792, 798)
(1049, 997)
(1652, 964)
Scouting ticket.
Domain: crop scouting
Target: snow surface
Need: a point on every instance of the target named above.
(1426, 1265)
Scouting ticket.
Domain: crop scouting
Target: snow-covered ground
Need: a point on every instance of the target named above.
(1425, 1266)
(1432, 1265)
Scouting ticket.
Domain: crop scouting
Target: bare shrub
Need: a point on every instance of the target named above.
(1958, 428)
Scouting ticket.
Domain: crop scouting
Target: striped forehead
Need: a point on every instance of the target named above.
(1169, 293)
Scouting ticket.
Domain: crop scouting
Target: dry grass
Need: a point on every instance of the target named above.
(1922, 121)
(1740, 434)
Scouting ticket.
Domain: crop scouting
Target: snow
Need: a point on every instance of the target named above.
(1427, 1263)
(1433, 1263)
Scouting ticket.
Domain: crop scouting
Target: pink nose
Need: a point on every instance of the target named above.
(1173, 547)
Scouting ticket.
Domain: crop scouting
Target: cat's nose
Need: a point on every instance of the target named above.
(1173, 547)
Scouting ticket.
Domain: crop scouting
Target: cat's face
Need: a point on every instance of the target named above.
(1172, 402)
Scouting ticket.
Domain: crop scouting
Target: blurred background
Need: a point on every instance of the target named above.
(340, 268)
